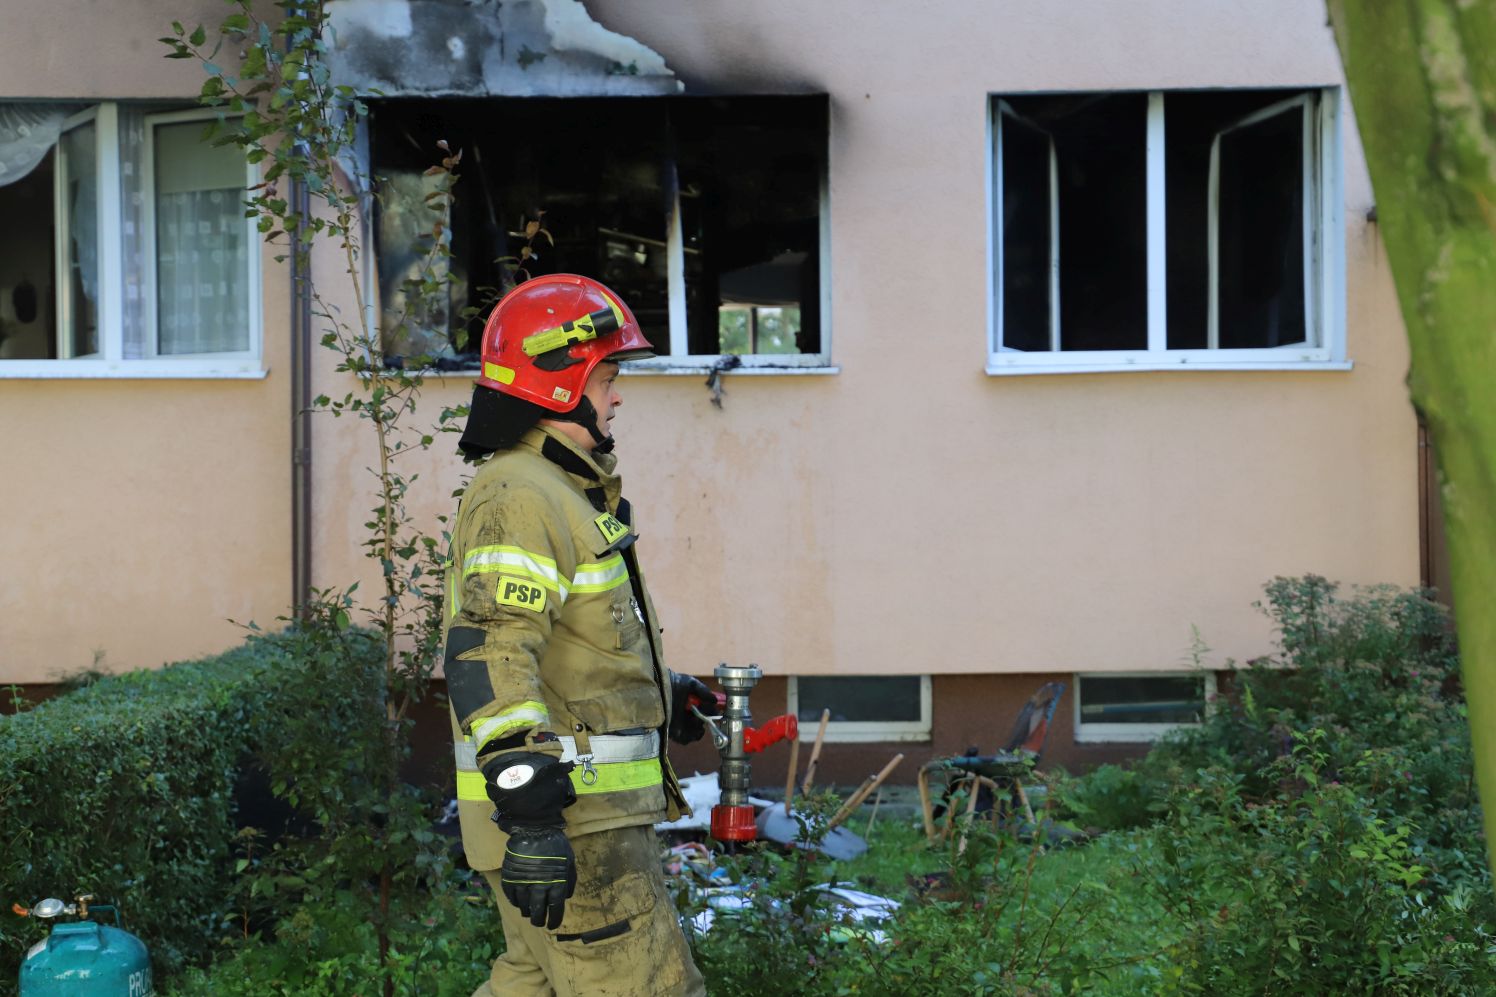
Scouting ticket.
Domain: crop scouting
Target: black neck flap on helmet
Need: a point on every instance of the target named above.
(496, 422)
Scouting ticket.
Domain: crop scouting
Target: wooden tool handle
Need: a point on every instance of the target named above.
(789, 780)
(871, 783)
(815, 753)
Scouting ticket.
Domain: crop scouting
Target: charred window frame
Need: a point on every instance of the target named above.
(708, 214)
(1155, 231)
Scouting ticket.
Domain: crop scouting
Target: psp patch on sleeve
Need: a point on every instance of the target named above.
(521, 593)
(612, 530)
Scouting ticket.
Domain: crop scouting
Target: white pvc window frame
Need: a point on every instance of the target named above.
(1305, 107)
(865, 731)
(1324, 291)
(152, 339)
(1133, 733)
(62, 227)
(110, 362)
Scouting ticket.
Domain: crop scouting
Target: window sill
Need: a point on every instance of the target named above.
(1005, 368)
(694, 367)
(701, 366)
(1126, 733)
(834, 736)
(125, 370)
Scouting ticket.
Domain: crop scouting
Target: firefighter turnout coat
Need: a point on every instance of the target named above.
(552, 643)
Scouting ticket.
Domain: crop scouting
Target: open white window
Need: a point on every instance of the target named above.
(1140, 706)
(126, 251)
(1176, 230)
(863, 707)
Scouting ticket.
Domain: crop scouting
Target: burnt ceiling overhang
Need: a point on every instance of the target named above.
(485, 48)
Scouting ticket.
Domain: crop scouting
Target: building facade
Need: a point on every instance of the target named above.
(1063, 330)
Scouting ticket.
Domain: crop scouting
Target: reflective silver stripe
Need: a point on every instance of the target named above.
(609, 748)
(602, 576)
(527, 714)
(606, 748)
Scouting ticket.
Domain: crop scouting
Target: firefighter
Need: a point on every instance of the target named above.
(560, 699)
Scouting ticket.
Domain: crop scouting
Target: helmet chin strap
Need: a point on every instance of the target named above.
(585, 415)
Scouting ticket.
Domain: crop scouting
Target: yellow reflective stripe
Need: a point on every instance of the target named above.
(527, 714)
(600, 577)
(470, 786)
(619, 777)
(454, 602)
(516, 560)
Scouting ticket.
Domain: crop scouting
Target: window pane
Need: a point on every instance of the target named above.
(1026, 232)
(28, 318)
(1252, 221)
(882, 699)
(80, 335)
(1102, 190)
(750, 173)
(202, 244)
(1149, 700)
(1262, 232)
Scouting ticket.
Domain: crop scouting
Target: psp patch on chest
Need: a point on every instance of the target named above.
(611, 528)
(520, 593)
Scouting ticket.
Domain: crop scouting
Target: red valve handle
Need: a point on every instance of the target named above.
(776, 730)
(719, 698)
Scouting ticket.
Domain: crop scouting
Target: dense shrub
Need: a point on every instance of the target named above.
(1319, 832)
(441, 945)
(1310, 890)
(124, 788)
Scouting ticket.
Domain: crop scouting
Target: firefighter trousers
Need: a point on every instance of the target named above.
(620, 936)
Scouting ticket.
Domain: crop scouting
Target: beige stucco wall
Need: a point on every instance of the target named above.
(911, 513)
(143, 514)
(908, 514)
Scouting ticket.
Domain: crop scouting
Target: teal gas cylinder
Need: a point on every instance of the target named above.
(85, 958)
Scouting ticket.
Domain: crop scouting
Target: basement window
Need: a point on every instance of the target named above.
(1158, 230)
(1139, 707)
(127, 252)
(863, 707)
(707, 214)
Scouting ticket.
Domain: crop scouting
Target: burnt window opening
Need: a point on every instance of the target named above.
(1237, 177)
(704, 213)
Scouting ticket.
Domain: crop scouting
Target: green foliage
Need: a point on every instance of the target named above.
(441, 945)
(285, 110)
(1319, 832)
(124, 788)
(1311, 890)
(987, 913)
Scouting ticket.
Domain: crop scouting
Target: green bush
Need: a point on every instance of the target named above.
(442, 943)
(1311, 890)
(125, 788)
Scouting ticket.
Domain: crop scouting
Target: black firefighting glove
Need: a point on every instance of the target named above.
(685, 691)
(539, 873)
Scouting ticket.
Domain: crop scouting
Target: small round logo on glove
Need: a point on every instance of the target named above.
(515, 776)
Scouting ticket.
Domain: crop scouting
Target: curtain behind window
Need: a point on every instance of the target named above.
(202, 251)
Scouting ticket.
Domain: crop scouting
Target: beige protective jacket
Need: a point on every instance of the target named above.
(551, 634)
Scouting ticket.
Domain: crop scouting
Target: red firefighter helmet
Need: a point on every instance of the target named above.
(544, 338)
